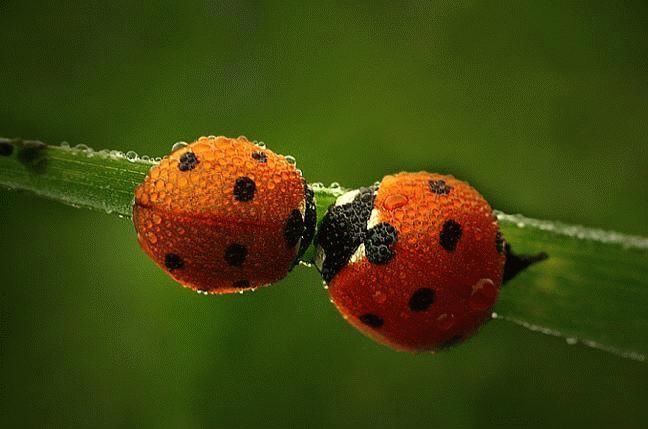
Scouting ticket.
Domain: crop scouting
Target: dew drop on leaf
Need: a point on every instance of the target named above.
(178, 146)
(132, 156)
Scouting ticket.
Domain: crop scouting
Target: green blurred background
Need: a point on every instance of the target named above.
(542, 105)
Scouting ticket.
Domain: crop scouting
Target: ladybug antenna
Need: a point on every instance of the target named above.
(516, 263)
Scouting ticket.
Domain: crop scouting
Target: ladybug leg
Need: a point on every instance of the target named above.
(516, 263)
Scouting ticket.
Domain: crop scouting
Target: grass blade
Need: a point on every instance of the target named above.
(593, 289)
(78, 176)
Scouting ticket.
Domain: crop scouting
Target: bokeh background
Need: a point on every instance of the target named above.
(542, 105)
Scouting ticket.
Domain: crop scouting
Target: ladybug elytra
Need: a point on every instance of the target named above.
(224, 215)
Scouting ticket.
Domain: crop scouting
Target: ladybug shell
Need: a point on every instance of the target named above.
(223, 215)
(425, 267)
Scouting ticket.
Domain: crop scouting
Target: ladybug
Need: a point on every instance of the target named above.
(224, 215)
(416, 261)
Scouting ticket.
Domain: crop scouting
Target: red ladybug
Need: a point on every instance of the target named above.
(415, 262)
(224, 215)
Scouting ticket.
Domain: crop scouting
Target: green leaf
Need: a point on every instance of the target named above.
(593, 289)
(80, 176)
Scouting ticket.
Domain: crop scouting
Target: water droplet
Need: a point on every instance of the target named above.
(395, 201)
(334, 185)
(65, 145)
(317, 186)
(380, 297)
(84, 148)
(117, 154)
(483, 295)
(178, 146)
(132, 156)
(262, 145)
(145, 158)
(446, 321)
(290, 159)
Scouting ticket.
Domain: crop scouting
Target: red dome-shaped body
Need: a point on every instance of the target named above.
(224, 215)
(416, 263)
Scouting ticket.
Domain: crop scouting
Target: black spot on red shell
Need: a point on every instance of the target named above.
(450, 235)
(240, 284)
(260, 156)
(188, 161)
(235, 254)
(372, 320)
(422, 299)
(342, 230)
(310, 219)
(440, 187)
(293, 228)
(499, 242)
(6, 148)
(378, 243)
(244, 189)
(173, 261)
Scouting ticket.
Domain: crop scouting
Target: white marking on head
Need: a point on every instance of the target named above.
(346, 198)
(358, 255)
(374, 219)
